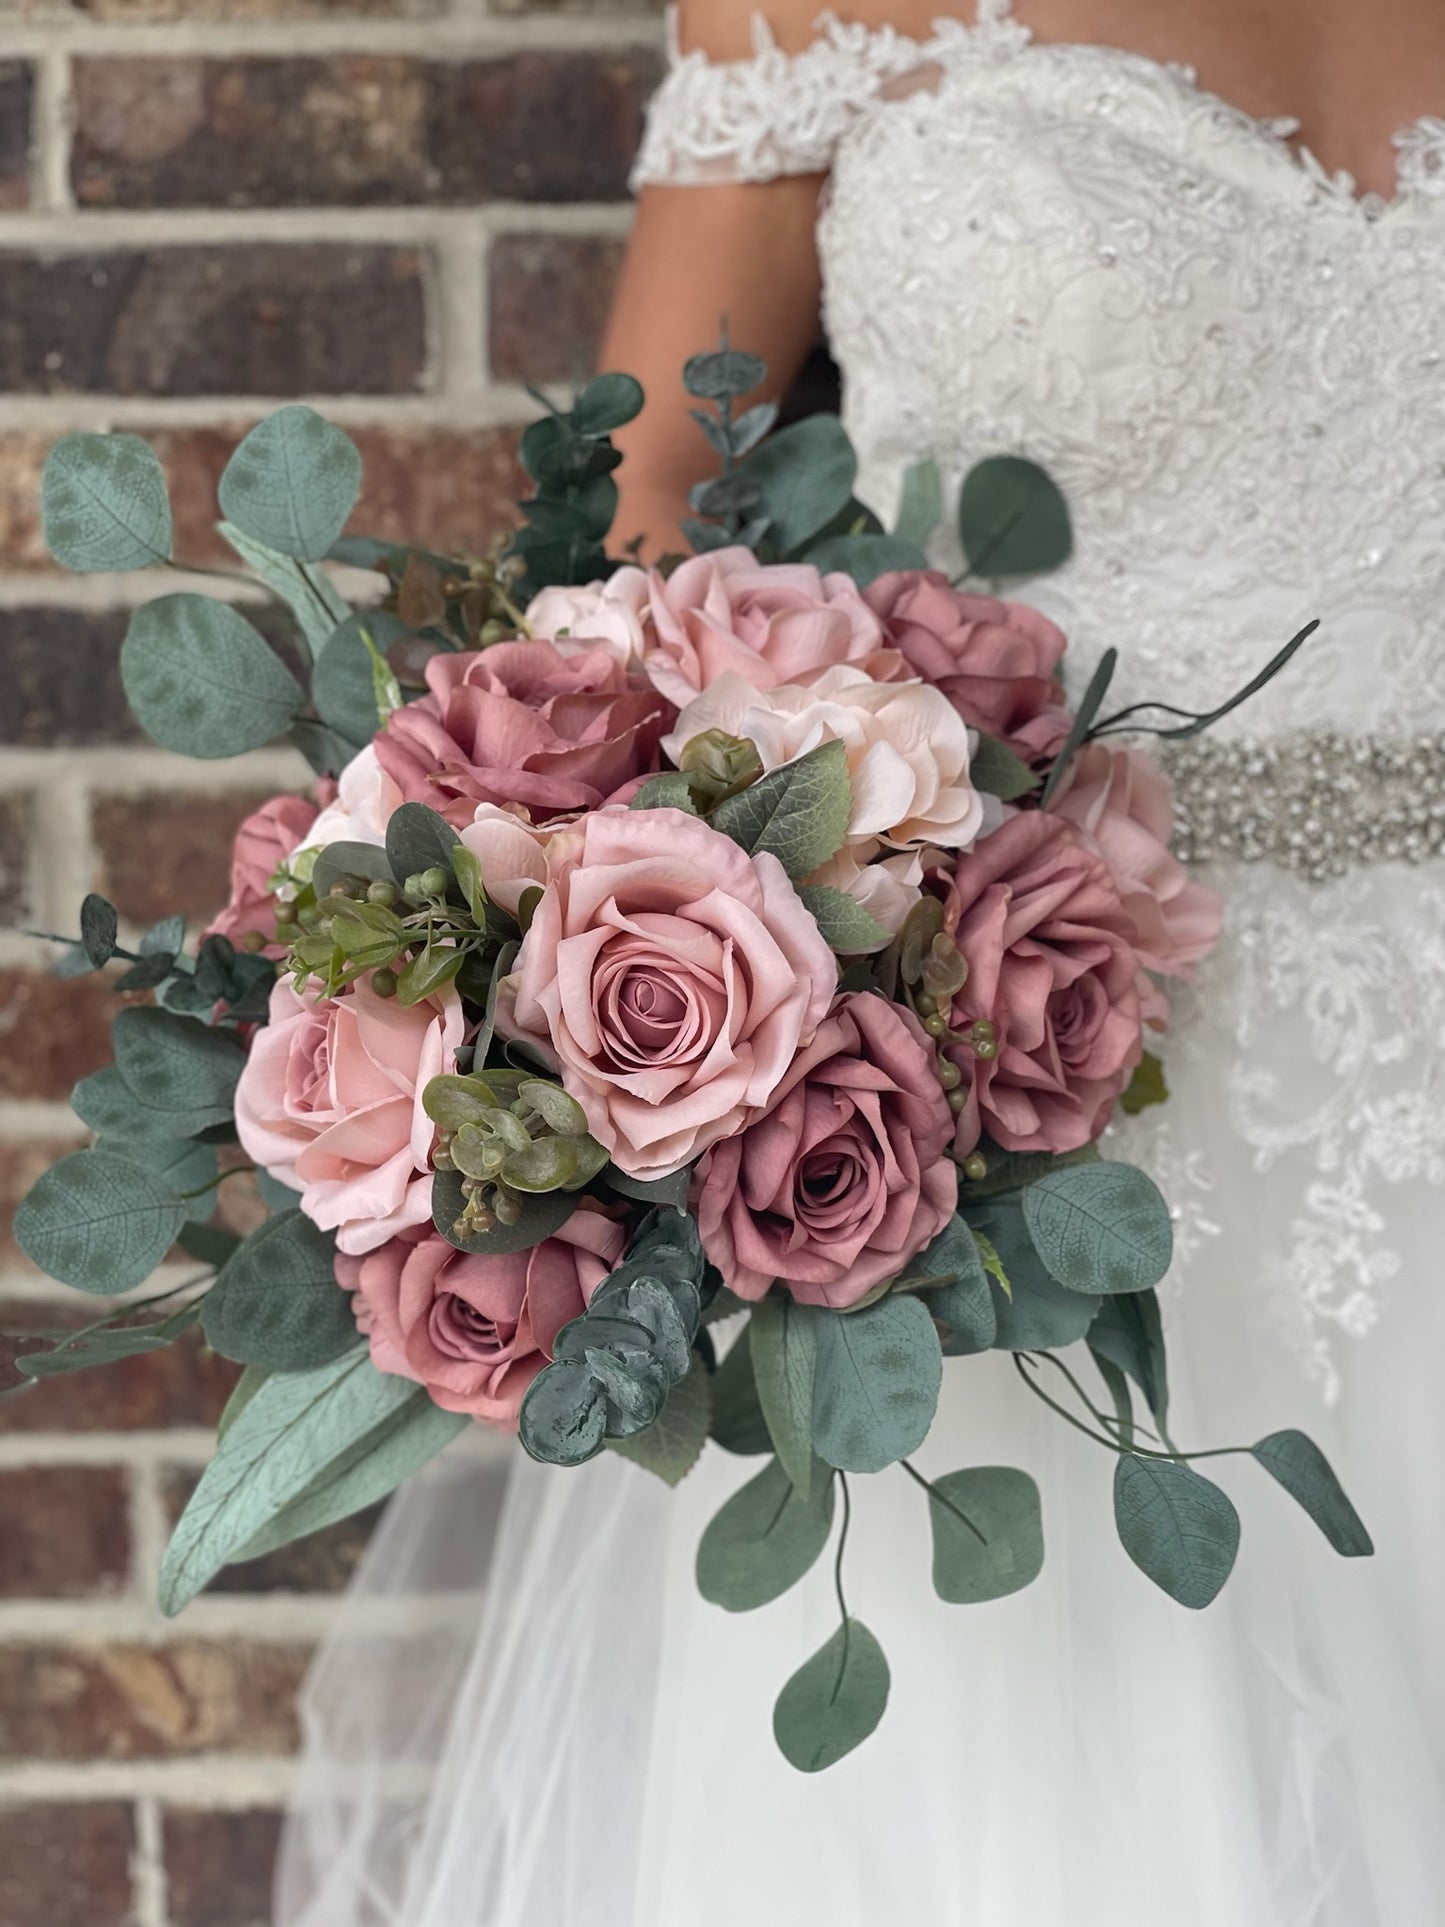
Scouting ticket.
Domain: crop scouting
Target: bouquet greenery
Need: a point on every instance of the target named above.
(752, 948)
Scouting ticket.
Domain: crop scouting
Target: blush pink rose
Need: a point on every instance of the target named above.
(330, 1103)
(475, 1331)
(996, 662)
(523, 723)
(1054, 968)
(263, 843)
(845, 1178)
(671, 977)
(1119, 801)
(769, 623)
(610, 614)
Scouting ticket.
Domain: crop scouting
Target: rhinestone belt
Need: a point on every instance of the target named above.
(1317, 803)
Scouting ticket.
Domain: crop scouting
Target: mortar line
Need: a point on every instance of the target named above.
(51, 132)
(68, 230)
(469, 37)
(148, 1868)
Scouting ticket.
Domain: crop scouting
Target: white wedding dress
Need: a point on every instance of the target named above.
(1235, 367)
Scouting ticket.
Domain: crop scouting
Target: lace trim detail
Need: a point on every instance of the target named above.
(777, 114)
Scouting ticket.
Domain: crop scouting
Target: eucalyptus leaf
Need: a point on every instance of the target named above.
(1100, 1228)
(864, 557)
(245, 1389)
(671, 1446)
(212, 1244)
(103, 504)
(1035, 1313)
(542, 1213)
(292, 483)
(877, 1378)
(178, 1068)
(201, 681)
(832, 1704)
(999, 771)
(277, 1302)
(738, 1424)
(722, 375)
(338, 861)
(1294, 1461)
(1129, 1334)
(419, 839)
(108, 1345)
(920, 504)
(98, 927)
(798, 813)
(1012, 519)
(844, 924)
(98, 1222)
(1178, 1528)
(343, 683)
(804, 474)
(104, 1102)
(782, 1338)
(1084, 718)
(181, 1164)
(608, 402)
(563, 1419)
(306, 589)
(957, 1294)
(988, 1533)
(762, 1541)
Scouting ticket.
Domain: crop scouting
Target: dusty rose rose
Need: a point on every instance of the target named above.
(477, 1330)
(672, 977)
(1119, 800)
(264, 841)
(610, 614)
(330, 1103)
(906, 747)
(1053, 967)
(844, 1179)
(523, 723)
(995, 661)
(768, 623)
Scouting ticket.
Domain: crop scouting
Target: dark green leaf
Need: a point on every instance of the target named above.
(107, 1346)
(209, 1243)
(179, 1068)
(1011, 1170)
(543, 1212)
(1297, 1463)
(1178, 1528)
(325, 751)
(1128, 1333)
(1100, 1228)
(956, 1291)
(834, 1702)
(104, 505)
(988, 1533)
(804, 474)
(672, 1189)
(1012, 520)
(876, 1384)
(418, 839)
(864, 557)
(338, 861)
(783, 1344)
(277, 1302)
(799, 812)
(292, 483)
(1083, 722)
(104, 1103)
(1145, 1087)
(999, 771)
(722, 374)
(738, 1424)
(669, 791)
(343, 685)
(845, 925)
(672, 1445)
(564, 1415)
(97, 1222)
(201, 681)
(305, 589)
(181, 1164)
(607, 402)
(98, 927)
(762, 1541)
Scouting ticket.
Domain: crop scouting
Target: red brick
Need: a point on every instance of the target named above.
(262, 319)
(219, 1866)
(322, 1563)
(360, 130)
(168, 853)
(183, 1385)
(547, 304)
(66, 1864)
(65, 1532)
(53, 1031)
(60, 670)
(15, 815)
(15, 91)
(131, 1702)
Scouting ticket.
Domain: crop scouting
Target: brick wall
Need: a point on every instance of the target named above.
(402, 210)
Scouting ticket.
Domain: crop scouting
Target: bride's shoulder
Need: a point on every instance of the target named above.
(732, 30)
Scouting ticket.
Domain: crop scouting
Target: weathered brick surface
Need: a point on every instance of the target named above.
(218, 1866)
(15, 814)
(182, 1385)
(132, 1702)
(53, 1030)
(167, 853)
(547, 298)
(365, 130)
(66, 1864)
(258, 319)
(323, 1563)
(64, 1532)
(15, 90)
(60, 670)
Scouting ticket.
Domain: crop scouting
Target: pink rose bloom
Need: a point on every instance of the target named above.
(845, 1178)
(1053, 967)
(995, 661)
(475, 1331)
(361, 807)
(766, 622)
(1119, 800)
(330, 1103)
(264, 841)
(671, 977)
(523, 723)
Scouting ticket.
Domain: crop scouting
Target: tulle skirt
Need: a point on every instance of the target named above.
(539, 1723)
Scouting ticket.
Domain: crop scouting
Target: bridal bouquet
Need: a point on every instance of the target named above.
(758, 937)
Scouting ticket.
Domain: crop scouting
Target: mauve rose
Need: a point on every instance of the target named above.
(523, 723)
(995, 661)
(330, 1103)
(475, 1331)
(768, 623)
(671, 977)
(1119, 800)
(264, 841)
(845, 1178)
(1053, 967)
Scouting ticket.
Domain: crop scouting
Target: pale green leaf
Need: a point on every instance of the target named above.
(920, 504)
(1294, 1461)
(1177, 1527)
(97, 1222)
(277, 1302)
(201, 681)
(305, 588)
(832, 1704)
(1100, 1228)
(845, 925)
(988, 1533)
(103, 504)
(877, 1377)
(292, 483)
(672, 1444)
(783, 1345)
(762, 1541)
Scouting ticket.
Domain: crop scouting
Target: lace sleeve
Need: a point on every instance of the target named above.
(755, 120)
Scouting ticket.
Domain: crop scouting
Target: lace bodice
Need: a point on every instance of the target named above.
(1234, 364)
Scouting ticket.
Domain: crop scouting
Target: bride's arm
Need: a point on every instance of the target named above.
(699, 254)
